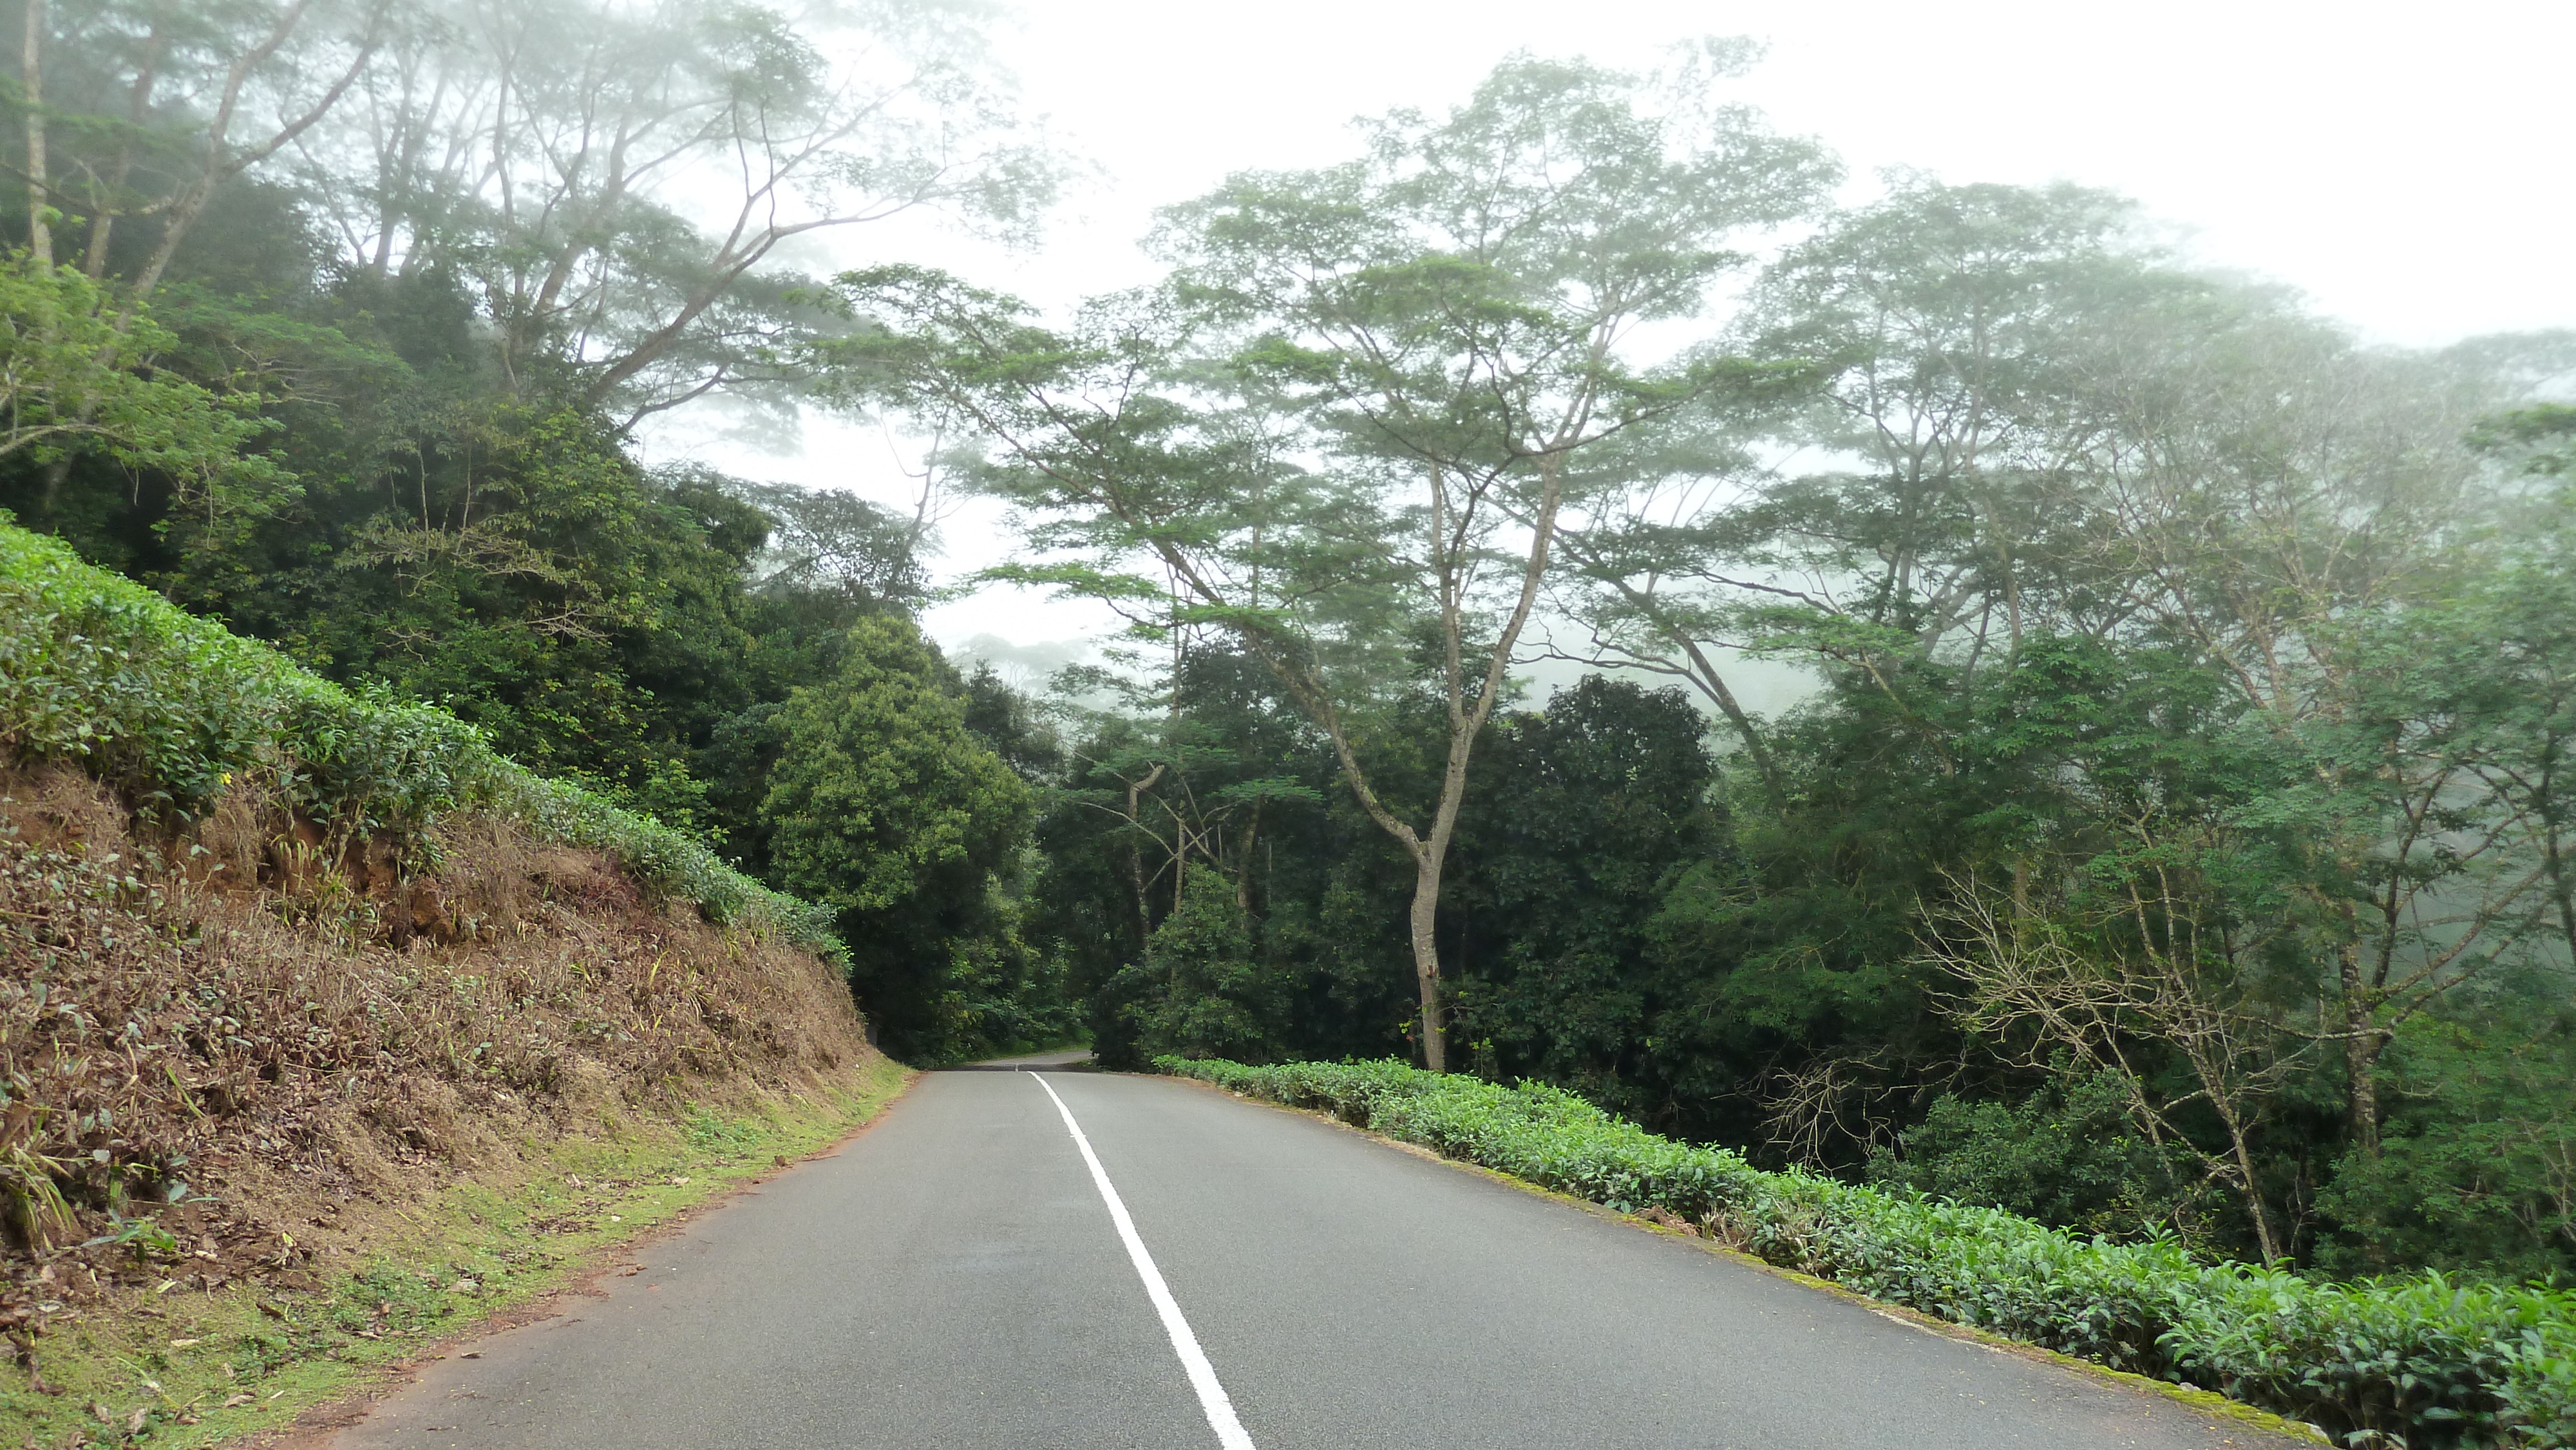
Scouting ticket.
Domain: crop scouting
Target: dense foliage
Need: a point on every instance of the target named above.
(2161, 826)
(2170, 833)
(172, 712)
(885, 805)
(2427, 1360)
(278, 349)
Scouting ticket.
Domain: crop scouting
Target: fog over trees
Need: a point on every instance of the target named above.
(2174, 835)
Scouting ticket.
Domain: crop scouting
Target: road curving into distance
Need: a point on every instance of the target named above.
(1040, 1260)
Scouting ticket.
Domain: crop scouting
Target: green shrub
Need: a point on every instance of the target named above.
(2423, 1361)
(1202, 989)
(2068, 1156)
(171, 710)
(2477, 1159)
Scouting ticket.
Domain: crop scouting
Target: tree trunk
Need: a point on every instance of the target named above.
(2553, 847)
(40, 231)
(1426, 955)
(1714, 686)
(1243, 875)
(1136, 881)
(2361, 1044)
(1136, 856)
(31, 80)
(2253, 1192)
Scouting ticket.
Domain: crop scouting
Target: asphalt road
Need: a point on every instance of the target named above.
(955, 1279)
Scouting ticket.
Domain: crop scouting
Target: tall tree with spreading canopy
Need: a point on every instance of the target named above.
(1357, 411)
(1946, 325)
(202, 96)
(625, 185)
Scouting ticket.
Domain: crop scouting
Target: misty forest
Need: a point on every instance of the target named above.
(2170, 832)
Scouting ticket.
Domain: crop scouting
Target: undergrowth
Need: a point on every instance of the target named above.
(2420, 1361)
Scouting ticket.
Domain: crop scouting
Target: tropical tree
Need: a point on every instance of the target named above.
(619, 182)
(74, 377)
(155, 110)
(2291, 507)
(1945, 327)
(886, 808)
(1368, 394)
(2519, 622)
(1202, 989)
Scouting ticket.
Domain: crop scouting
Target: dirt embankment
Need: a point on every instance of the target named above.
(234, 1055)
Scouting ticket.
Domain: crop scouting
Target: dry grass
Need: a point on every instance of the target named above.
(215, 1044)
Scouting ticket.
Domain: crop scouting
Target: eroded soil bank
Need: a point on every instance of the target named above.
(277, 1117)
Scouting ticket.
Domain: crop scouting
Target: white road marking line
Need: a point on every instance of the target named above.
(1194, 1360)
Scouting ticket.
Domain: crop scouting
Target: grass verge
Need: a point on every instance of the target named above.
(178, 1367)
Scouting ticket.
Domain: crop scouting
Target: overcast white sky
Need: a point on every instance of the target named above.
(2406, 167)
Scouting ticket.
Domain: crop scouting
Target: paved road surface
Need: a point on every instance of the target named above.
(1034, 1062)
(955, 1280)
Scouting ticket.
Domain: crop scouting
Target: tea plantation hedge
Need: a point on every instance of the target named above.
(2419, 1361)
(172, 710)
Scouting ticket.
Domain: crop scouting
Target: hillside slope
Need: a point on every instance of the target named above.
(322, 1028)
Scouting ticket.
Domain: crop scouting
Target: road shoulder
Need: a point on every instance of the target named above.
(2206, 1402)
(326, 1397)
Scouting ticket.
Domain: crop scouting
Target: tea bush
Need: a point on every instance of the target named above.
(2420, 1361)
(172, 710)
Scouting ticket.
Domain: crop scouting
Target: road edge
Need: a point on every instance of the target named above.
(2208, 1402)
(317, 1425)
